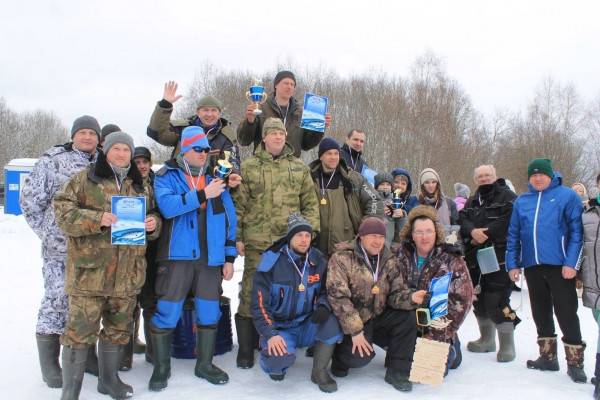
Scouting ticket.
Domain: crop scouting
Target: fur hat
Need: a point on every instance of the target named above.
(420, 212)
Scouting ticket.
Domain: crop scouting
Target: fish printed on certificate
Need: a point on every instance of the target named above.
(130, 228)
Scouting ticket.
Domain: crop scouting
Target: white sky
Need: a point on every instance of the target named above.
(110, 58)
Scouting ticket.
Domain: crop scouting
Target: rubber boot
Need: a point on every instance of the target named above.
(455, 347)
(574, 355)
(109, 358)
(595, 379)
(547, 361)
(321, 356)
(139, 347)
(338, 369)
(205, 349)
(73, 368)
(91, 365)
(245, 329)
(49, 353)
(597, 390)
(127, 355)
(398, 380)
(487, 342)
(506, 338)
(161, 346)
(149, 352)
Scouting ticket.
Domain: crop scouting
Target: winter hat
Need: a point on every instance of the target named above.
(193, 136)
(142, 152)
(371, 226)
(118, 137)
(297, 223)
(462, 190)
(108, 129)
(383, 177)
(273, 124)
(86, 122)
(328, 144)
(429, 173)
(281, 75)
(540, 166)
(210, 101)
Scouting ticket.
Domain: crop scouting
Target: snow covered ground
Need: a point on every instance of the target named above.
(479, 377)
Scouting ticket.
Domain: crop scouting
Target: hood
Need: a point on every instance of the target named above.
(402, 171)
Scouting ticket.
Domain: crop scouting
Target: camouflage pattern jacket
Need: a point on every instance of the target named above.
(442, 260)
(53, 169)
(94, 266)
(272, 189)
(350, 283)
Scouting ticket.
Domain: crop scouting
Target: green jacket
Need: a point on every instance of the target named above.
(298, 138)
(271, 190)
(94, 266)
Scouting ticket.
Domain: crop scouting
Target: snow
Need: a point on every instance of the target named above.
(479, 376)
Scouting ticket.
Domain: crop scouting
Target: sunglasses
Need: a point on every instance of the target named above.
(201, 149)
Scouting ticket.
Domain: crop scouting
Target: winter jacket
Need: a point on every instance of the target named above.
(179, 206)
(277, 302)
(408, 200)
(490, 207)
(353, 159)
(168, 133)
(406, 279)
(590, 269)
(350, 283)
(545, 227)
(56, 166)
(360, 199)
(94, 266)
(272, 189)
(300, 139)
(453, 213)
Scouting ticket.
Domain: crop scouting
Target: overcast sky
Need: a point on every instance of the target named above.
(110, 58)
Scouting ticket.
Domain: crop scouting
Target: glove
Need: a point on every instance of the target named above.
(320, 315)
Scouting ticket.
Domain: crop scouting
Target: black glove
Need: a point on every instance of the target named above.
(320, 315)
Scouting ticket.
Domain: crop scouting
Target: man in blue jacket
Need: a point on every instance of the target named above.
(195, 253)
(545, 238)
(289, 305)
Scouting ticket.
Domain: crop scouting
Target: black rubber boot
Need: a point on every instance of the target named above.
(149, 352)
(398, 380)
(91, 364)
(547, 361)
(161, 346)
(338, 369)
(319, 375)
(458, 356)
(205, 349)
(245, 334)
(109, 358)
(487, 340)
(49, 353)
(127, 356)
(73, 368)
(596, 376)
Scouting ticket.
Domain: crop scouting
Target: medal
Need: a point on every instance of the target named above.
(323, 201)
(301, 287)
(324, 188)
(375, 289)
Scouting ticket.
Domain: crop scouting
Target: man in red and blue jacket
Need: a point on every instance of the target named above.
(195, 253)
(290, 308)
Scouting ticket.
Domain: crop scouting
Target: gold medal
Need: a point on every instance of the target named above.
(324, 201)
(301, 287)
(375, 289)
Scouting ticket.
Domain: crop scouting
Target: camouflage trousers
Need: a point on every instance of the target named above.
(85, 313)
(53, 308)
(251, 260)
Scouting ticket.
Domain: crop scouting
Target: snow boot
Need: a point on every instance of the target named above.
(455, 347)
(487, 342)
(205, 349)
(398, 380)
(547, 361)
(506, 338)
(139, 347)
(161, 358)
(91, 365)
(127, 355)
(49, 353)
(109, 358)
(574, 355)
(596, 376)
(321, 356)
(73, 368)
(245, 334)
(338, 369)
(277, 377)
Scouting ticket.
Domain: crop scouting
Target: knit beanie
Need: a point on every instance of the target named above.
(462, 190)
(328, 144)
(427, 174)
(193, 136)
(86, 122)
(210, 101)
(383, 177)
(108, 129)
(281, 75)
(371, 226)
(273, 124)
(297, 223)
(540, 166)
(118, 137)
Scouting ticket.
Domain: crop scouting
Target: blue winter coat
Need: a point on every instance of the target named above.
(277, 302)
(545, 227)
(179, 206)
(409, 201)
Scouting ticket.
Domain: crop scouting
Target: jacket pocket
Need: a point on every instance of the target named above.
(281, 300)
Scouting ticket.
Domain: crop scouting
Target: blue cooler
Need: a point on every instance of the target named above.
(15, 173)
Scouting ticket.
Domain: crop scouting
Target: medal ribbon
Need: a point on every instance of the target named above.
(376, 272)
(323, 185)
(301, 273)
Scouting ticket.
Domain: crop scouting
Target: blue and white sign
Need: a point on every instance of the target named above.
(313, 114)
(129, 228)
(438, 305)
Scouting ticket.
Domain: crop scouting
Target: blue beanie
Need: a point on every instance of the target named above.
(328, 144)
(193, 136)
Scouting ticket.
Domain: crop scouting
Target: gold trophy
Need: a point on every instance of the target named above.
(224, 166)
(257, 95)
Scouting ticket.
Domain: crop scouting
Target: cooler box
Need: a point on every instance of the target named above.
(15, 173)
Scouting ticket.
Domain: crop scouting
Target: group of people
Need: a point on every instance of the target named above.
(332, 262)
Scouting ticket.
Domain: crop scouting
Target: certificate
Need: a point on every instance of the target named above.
(130, 228)
(313, 113)
(438, 305)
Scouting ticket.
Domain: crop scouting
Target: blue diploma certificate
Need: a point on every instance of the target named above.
(130, 228)
(438, 305)
(313, 113)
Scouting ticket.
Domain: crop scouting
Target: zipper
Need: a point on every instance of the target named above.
(535, 219)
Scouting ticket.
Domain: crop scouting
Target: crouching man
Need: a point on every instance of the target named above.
(289, 305)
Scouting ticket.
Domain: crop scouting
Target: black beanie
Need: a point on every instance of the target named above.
(108, 129)
(281, 75)
(86, 122)
(297, 223)
(328, 144)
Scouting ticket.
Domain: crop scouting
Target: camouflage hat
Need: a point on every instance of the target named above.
(273, 124)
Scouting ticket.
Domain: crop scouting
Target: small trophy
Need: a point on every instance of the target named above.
(257, 95)
(397, 200)
(224, 166)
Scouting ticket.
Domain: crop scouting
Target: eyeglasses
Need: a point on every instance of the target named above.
(424, 233)
(201, 149)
